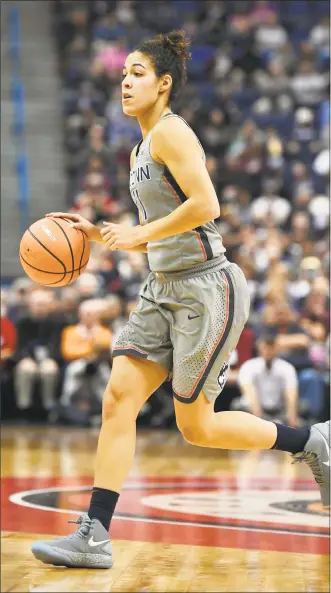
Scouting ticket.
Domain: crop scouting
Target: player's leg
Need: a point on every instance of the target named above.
(132, 382)
(201, 358)
(206, 350)
(200, 426)
(142, 360)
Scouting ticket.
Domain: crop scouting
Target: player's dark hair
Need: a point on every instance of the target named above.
(168, 54)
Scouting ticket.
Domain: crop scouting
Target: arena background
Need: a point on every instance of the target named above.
(257, 97)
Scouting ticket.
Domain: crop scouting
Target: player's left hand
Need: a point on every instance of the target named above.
(120, 236)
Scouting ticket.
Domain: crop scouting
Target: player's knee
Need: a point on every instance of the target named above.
(188, 433)
(194, 434)
(119, 401)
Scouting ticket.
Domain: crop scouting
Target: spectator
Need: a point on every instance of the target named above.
(68, 304)
(320, 35)
(318, 350)
(8, 334)
(38, 354)
(107, 270)
(301, 226)
(86, 349)
(133, 273)
(270, 35)
(321, 164)
(274, 79)
(293, 345)
(270, 205)
(96, 148)
(107, 28)
(111, 58)
(319, 209)
(88, 286)
(261, 13)
(308, 86)
(216, 132)
(17, 298)
(316, 306)
(245, 153)
(112, 306)
(94, 202)
(269, 385)
(8, 345)
(301, 180)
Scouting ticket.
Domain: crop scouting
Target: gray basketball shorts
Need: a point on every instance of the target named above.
(189, 322)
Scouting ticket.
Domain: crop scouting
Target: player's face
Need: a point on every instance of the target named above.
(140, 86)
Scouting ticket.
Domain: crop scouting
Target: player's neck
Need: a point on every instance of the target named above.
(147, 121)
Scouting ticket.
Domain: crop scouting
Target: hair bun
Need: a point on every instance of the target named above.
(178, 44)
(168, 54)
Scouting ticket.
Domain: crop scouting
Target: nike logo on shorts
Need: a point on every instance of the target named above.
(194, 316)
(92, 543)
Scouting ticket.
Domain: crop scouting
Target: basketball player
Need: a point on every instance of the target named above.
(192, 308)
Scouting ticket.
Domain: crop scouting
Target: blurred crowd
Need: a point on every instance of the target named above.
(258, 99)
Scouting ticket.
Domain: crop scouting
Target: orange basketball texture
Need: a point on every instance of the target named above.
(53, 253)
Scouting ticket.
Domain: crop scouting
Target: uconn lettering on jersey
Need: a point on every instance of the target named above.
(139, 174)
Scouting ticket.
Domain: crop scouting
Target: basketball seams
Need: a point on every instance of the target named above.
(69, 244)
(53, 273)
(48, 251)
(84, 245)
(78, 250)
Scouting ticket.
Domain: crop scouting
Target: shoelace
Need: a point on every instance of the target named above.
(312, 460)
(79, 521)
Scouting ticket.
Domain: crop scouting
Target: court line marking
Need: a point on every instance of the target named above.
(17, 498)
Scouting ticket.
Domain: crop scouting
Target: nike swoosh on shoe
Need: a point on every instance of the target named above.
(92, 543)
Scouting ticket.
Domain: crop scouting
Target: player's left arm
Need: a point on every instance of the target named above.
(175, 145)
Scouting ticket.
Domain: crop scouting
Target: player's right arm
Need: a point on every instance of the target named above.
(90, 229)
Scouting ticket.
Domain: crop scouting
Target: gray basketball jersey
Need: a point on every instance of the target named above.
(156, 194)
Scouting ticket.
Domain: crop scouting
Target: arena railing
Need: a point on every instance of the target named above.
(19, 117)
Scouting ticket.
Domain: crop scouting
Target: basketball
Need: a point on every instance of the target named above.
(53, 253)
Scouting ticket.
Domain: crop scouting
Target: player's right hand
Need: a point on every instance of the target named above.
(81, 223)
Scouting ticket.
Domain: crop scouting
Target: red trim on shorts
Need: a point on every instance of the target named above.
(130, 348)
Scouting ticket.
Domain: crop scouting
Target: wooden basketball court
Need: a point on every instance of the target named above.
(188, 519)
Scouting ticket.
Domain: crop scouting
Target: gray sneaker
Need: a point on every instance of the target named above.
(88, 547)
(316, 454)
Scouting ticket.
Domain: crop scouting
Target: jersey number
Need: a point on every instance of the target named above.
(139, 204)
